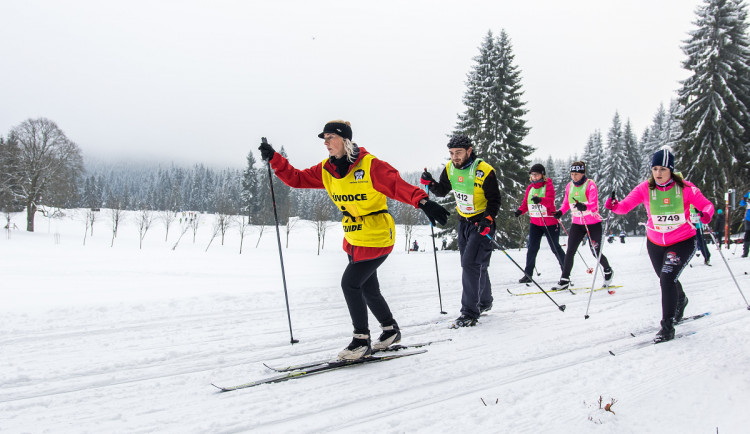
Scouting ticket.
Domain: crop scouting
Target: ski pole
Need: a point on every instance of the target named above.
(730, 272)
(499, 247)
(596, 270)
(434, 252)
(278, 239)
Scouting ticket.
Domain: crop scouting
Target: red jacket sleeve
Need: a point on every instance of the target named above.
(386, 180)
(308, 178)
(549, 197)
(524, 205)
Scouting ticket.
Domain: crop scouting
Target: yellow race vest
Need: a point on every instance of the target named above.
(467, 187)
(366, 220)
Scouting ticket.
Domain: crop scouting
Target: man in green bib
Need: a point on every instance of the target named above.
(475, 187)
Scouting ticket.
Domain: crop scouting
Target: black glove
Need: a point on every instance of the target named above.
(427, 178)
(435, 212)
(266, 150)
(517, 213)
(485, 225)
(537, 200)
(581, 206)
(557, 214)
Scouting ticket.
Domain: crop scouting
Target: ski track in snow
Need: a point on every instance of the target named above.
(122, 344)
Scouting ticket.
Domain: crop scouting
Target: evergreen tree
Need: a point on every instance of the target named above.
(249, 204)
(614, 176)
(713, 149)
(493, 119)
(653, 138)
(592, 155)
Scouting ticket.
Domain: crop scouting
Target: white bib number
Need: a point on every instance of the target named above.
(465, 202)
(538, 211)
(668, 222)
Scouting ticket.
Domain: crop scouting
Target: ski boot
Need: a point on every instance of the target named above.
(564, 283)
(667, 331)
(391, 335)
(359, 348)
(464, 321)
(608, 275)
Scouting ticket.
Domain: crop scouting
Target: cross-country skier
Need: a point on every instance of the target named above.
(582, 198)
(695, 219)
(671, 238)
(539, 202)
(359, 183)
(746, 203)
(474, 185)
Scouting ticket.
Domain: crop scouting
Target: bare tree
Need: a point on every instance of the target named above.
(185, 228)
(92, 218)
(408, 218)
(47, 161)
(320, 205)
(167, 217)
(143, 220)
(214, 231)
(89, 218)
(223, 222)
(195, 221)
(261, 228)
(290, 223)
(243, 223)
(116, 216)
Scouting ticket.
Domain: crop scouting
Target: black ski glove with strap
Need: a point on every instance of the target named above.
(434, 212)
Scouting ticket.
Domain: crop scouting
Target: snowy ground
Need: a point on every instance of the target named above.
(107, 339)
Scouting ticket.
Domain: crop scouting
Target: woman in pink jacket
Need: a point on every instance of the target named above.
(671, 237)
(582, 198)
(539, 202)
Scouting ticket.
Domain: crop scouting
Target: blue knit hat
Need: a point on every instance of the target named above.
(664, 158)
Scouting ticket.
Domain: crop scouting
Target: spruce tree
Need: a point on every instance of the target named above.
(614, 175)
(493, 119)
(592, 155)
(713, 149)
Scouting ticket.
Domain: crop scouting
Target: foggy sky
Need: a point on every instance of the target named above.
(201, 82)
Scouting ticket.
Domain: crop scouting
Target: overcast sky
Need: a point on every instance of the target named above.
(202, 81)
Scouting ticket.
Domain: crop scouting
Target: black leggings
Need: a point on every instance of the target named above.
(362, 290)
(575, 236)
(668, 263)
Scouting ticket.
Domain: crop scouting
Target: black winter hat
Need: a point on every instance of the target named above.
(337, 127)
(460, 141)
(578, 167)
(663, 158)
(538, 168)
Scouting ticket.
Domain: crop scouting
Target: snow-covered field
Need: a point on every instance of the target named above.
(107, 339)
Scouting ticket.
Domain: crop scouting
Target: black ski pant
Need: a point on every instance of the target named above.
(575, 236)
(476, 251)
(746, 243)
(668, 263)
(552, 232)
(701, 243)
(362, 291)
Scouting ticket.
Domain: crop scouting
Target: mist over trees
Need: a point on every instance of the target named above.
(707, 125)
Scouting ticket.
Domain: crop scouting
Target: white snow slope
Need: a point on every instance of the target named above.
(100, 339)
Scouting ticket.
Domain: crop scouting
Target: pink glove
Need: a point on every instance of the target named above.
(705, 216)
(611, 203)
